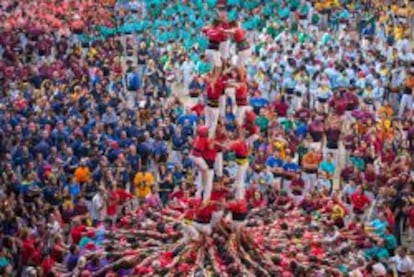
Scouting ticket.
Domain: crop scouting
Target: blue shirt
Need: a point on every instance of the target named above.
(133, 81)
(274, 162)
(301, 130)
(379, 226)
(291, 167)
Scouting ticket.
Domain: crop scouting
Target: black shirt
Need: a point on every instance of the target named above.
(142, 56)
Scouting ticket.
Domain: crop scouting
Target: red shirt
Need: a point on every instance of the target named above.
(123, 195)
(281, 108)
(27, 250)
(198, 109)
(221, 137)
(359, 200)
(199, 145)
(241, 95)
(218, 195)
(252, 129)
(239, 147)
(203, 214)
(216, 34)
(239, 35)
(113, 204)
(215, 90)
(411, 217)
(209, 154)
(77, 233)
(47, 265)
(239, 206)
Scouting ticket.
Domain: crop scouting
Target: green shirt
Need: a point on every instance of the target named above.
(287, 125)
(302, 37)
(304, 9)
(283, 12)
(263, 123)
(390, 242)
(204, 68)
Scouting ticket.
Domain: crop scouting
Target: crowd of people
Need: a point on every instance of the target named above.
(224, 138)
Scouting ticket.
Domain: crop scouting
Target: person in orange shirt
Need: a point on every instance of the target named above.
(310, 163)
(143, 181)
(82, 173)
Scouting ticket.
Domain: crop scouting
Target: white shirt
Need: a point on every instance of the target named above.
(98, 210)
(379, 269)
(403, 265)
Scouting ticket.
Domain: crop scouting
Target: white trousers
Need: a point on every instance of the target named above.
(316, 145)
(212, 115)
(239, 181)
(218, 164)
(231, 92)
(209, 185)
(310, 180)
(250, 140)
(202, 172)
(191, 233)
(242, 57)
(216, 218)
(240, 114)
(405, 103)
(214, 57)
(222, 105)
(224, 49)
(202, 228)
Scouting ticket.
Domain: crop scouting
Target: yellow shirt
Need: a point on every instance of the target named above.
(143, 182)
(398, 32)
(337, 212)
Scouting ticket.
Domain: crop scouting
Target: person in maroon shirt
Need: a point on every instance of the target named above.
(297, 184)
(316, 132)
(280, 106)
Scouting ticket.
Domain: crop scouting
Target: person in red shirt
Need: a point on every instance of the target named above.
(241, 150)
(203, 216)
(198, 108)
(200, 143)
(112, 206)
(220, 138)
(238, 209)
(242, 45)
(249, 124)
(209, 155)
(218, 197)
(224, 46)
(216, 35)
(359, 201)
(215, 88)
(241, 91)
(27, 250)
(78, 231)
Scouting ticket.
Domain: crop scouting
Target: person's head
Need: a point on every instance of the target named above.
(73, 249)
(329, 157)
(402, 251)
